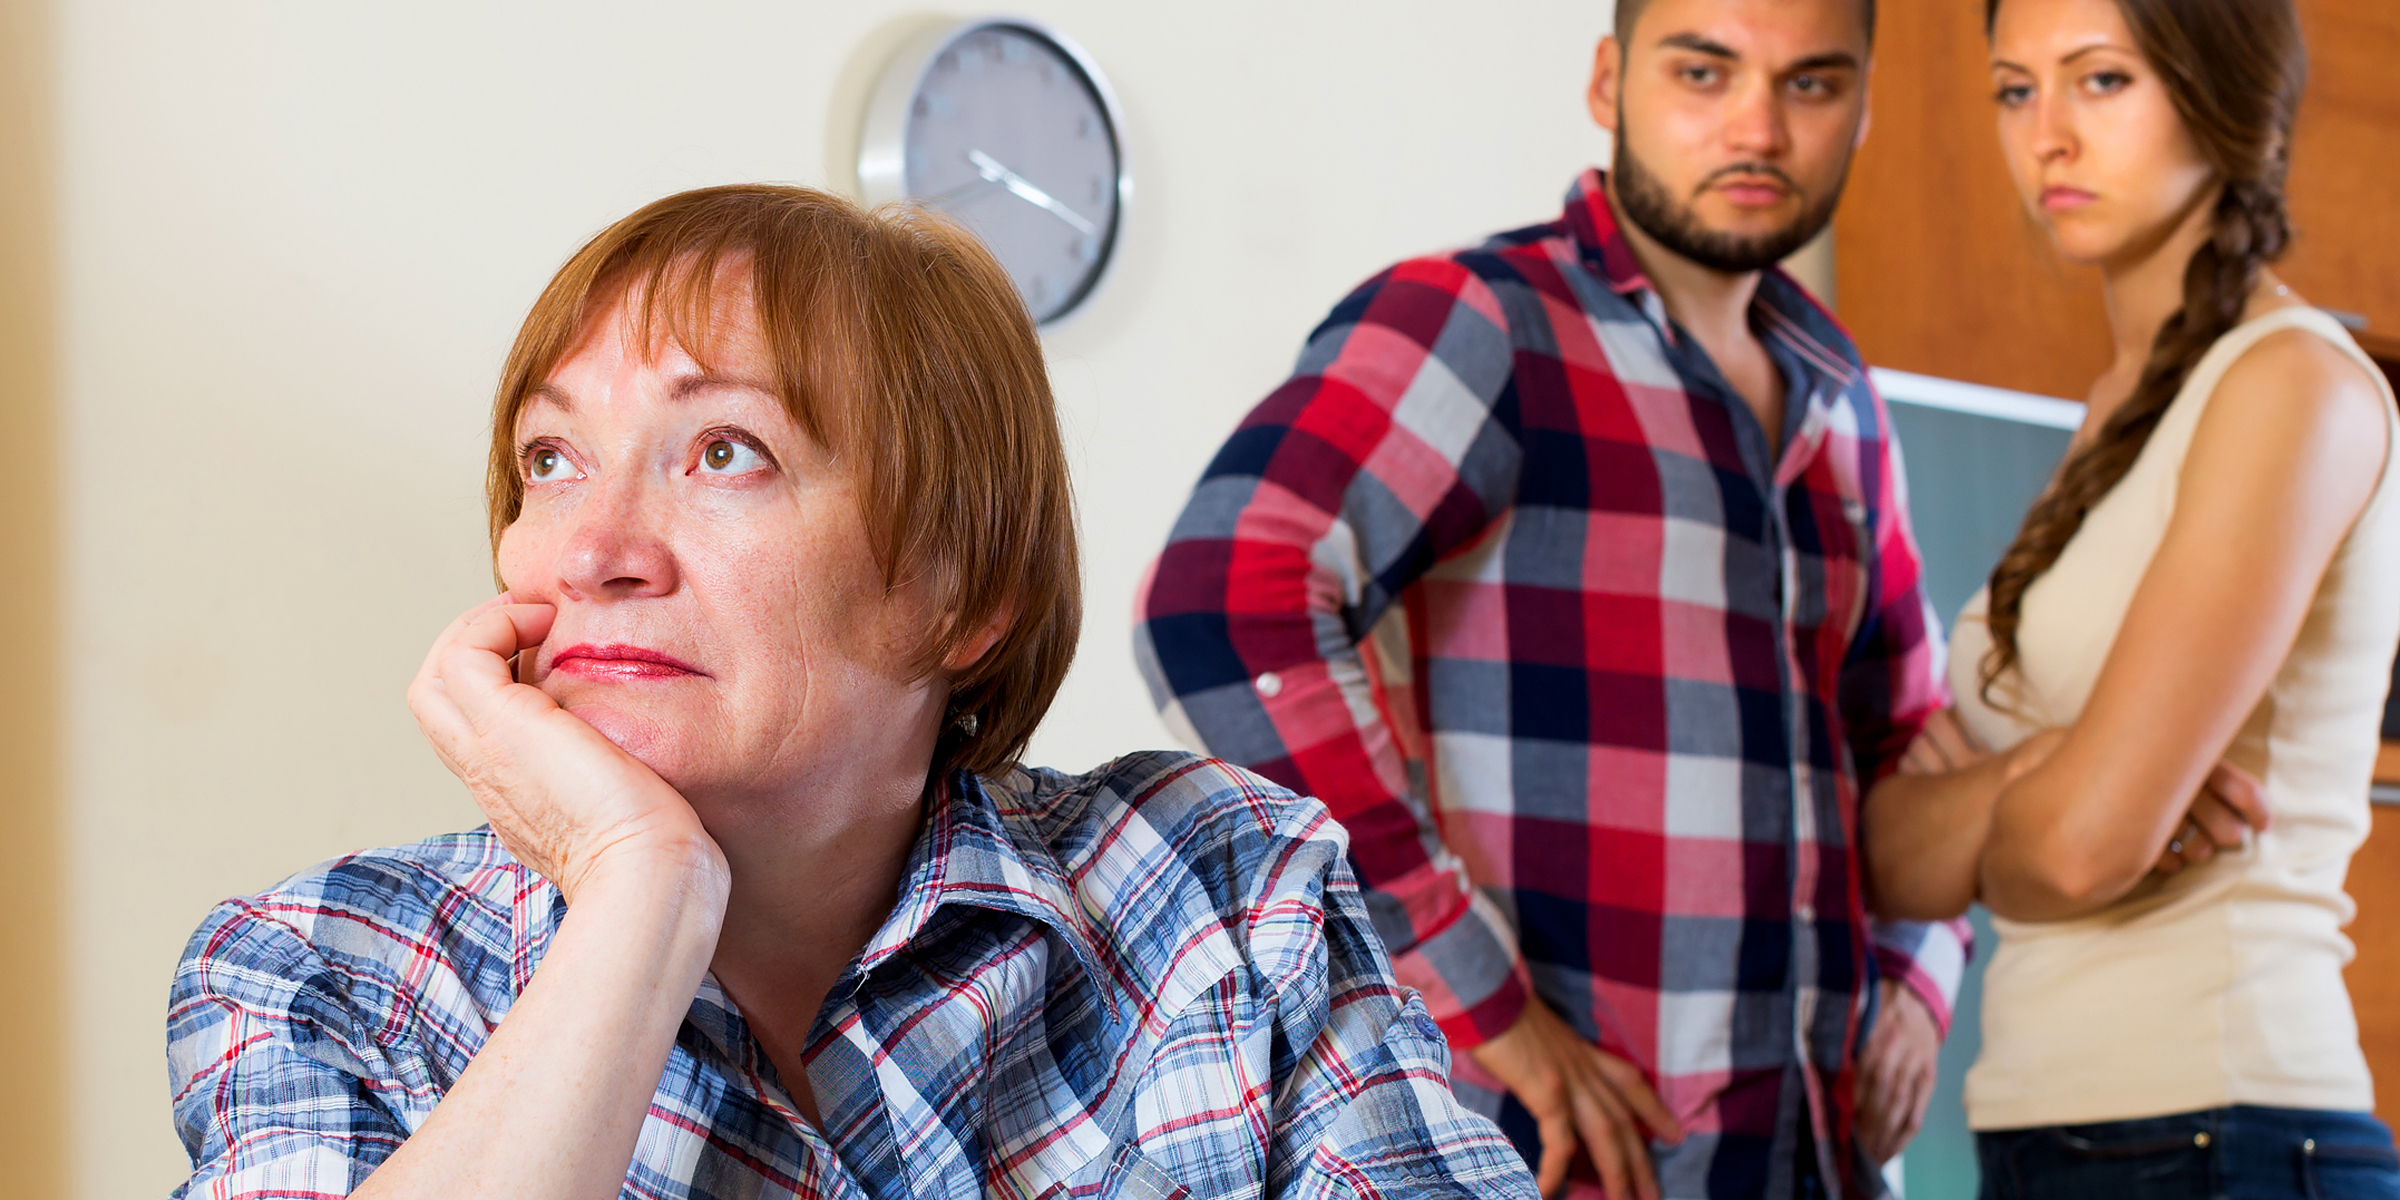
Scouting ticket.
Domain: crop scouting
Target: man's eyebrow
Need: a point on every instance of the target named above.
(704, 381)
(1831, 60)
(1698, 44)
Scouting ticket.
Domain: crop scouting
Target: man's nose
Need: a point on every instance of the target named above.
(1755, 127)
(618, 548)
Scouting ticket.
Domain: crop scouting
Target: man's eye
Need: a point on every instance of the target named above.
(724, 456)
(1700, 75)
(544, 464)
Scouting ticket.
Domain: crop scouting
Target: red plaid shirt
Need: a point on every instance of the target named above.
(1508, 575)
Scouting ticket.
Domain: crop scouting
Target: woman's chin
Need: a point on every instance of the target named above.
(651, 742)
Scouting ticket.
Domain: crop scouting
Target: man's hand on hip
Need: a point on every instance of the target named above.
(1580, 1094)
(1895, 1075)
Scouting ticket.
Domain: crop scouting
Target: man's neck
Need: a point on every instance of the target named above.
(1714, 308)
(1711, 305)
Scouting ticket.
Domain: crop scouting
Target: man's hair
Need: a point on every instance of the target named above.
(1629, 13)
(901, 346)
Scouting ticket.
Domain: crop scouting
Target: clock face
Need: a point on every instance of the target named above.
(1010, 133)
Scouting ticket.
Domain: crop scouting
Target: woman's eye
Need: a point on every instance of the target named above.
(2011, 95)
(724, 456)
(544, 464)
(2107, 82)
(1812, 87)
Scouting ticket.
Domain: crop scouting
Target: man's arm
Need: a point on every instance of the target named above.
(1378, 457)
(1892, 683)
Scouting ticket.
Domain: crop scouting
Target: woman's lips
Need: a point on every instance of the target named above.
(2058, 197)
(621, 662)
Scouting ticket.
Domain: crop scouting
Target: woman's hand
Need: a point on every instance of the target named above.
(565, 800)
(1945, 744)
(2231, 805)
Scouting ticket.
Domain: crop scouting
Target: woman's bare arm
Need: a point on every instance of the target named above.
(2282, 464)
(1925, 827)
(551, 1106)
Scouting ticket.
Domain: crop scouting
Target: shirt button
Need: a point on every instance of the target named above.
(1806, 912)
(1270, 684)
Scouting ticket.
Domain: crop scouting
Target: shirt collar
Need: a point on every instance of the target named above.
(970, 855)
(1790, 315)
(1594, 226)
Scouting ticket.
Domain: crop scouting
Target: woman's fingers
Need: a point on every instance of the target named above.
(2241, 792)
(2217, 820)
(474, 670)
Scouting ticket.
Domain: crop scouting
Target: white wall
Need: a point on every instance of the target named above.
(297, 238)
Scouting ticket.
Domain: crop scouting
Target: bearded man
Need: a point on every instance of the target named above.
(1573, 571)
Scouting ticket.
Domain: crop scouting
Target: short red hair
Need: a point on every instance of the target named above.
(901, 346)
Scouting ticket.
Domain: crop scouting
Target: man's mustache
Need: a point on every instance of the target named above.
(1754, 169)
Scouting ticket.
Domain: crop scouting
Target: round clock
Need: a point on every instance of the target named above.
(1009, 127)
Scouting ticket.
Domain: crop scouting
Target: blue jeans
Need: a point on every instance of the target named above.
(2241, 1153)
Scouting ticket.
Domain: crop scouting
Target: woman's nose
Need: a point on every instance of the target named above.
(2053, 127)
(618, 548)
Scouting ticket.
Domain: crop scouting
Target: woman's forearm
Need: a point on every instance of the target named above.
(550, 1107)
(1925, 836)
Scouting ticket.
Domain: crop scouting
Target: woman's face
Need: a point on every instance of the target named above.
(720, 614)
(2100, 156)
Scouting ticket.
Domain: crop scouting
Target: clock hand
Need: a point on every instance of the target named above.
(990, 169)
(969, 190)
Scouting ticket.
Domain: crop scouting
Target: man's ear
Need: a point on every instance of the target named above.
(1866, 109)
(1606, 79)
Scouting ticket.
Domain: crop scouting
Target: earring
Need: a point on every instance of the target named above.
(968, 723)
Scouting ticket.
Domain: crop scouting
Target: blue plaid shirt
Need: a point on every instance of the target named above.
(1155, 980)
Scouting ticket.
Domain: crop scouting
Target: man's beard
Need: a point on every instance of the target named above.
(1678, 228)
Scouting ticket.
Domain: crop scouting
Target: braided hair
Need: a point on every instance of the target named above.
(2234, 70)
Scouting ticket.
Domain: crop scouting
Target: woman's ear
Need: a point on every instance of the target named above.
(970, 650)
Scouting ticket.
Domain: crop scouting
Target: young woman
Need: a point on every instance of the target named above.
(2214, 577)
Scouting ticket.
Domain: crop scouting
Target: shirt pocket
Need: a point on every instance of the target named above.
(1120, 1173)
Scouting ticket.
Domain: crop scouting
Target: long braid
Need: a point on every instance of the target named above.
(2249, 228)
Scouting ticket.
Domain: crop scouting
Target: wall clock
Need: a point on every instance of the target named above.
(1008, 126)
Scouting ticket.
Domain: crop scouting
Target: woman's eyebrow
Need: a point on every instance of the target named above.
(551, 394)
(703, 381)
(2079, 53)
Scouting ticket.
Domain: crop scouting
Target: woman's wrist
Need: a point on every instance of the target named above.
(684, 876)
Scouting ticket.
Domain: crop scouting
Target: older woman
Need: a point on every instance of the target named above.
(765, 907)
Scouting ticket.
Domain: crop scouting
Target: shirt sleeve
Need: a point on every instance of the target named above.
(270, 1073)
(1386, 450)
(1360, 1098)
(1892, 682)
(1929, 958)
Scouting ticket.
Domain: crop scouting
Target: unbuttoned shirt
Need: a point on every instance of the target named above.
(1155, 980)
(1513, 579)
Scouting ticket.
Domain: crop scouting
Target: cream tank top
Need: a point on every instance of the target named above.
(2223, 983)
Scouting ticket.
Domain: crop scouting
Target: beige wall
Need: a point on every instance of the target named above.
(294, 239)
(32, 997)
